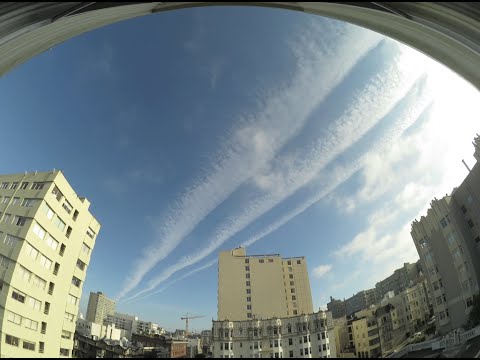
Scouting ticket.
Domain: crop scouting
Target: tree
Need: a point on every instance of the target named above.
(474, 318)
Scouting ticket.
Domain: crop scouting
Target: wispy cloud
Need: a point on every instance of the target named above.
(321, 270)
(358, 118)
(322, 65)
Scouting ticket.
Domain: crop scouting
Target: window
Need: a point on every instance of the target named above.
(28, 202)
(324, 347)
(247, 268)
(17, 295)
(428, 256)
(6, 218)
(51, 287)
(57, 193)
(39, 282)
(290, 354)
(451, 239)
(439, 300)
(66, 334)
(292, 283)
(443, 222)
(19, 220)
(69, 232)
(249, 299)
(249, 291)
(299, 262)
(41, 347)
(301, 352)
(11, 240)
(14, 318)
(464, 209)
(4, 261)
(290, 269)
(52, 243)
(76, 281)
(247, 283)
(423, 243)
(69, 317)
(270, 260)
(30, 324)
(14, 185)
(305, 339)
(15, 200)
(91, 235)
(75, 215)
(292, 291)
(249, 307)
(45, 262)
(64, 352)
(4, 185)
(34, 303)
(67, 206)
(249, 315)
(294, 297)
(470, 223)
(12, 340)
(86, 249)
(247, 276)
(37, 186)
(24, 185)
(62, 249)
(323, 335)
(23, 273)
(81, 266)
(59, 223)
(289, 262)
(261, 261)
(28, 345)
(39, 231)
(72, 299)
(295, 312)
(290, 276)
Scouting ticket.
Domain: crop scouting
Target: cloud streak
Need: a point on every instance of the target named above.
(359, 118)
(321, 270)
(255, 142)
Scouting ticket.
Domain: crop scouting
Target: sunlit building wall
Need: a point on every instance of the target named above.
(448, 243)
(262, 286)
(47, 235)
(99, 307)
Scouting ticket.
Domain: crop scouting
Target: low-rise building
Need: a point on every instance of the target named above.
(98, 331)
(304, 336)
(87, 348)
(366, 337)
(194, 347)
(161, 346)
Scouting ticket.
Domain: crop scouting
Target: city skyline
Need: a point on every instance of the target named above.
(187, 146)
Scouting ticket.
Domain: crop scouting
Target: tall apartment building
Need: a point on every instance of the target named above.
(262, 286)
(46, 238)
(360, 301)
(337, 307)
(448, 243)
(132, 324)
(302, 336)
(99, 307)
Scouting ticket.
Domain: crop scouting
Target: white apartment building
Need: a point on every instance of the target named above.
(98, 331)
(47, 235)
(133, 325)
(303, 336)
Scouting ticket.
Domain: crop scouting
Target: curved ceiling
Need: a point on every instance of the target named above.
(447, 32)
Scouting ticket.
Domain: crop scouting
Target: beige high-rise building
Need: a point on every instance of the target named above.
(47, 235)
(99, 307)
(262, 286)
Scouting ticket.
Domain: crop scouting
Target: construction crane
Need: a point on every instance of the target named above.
(186, 318)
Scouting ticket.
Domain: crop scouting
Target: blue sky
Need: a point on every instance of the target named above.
(199, 130)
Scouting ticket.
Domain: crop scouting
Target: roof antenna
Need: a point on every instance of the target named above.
(464, 163)
(35, 172)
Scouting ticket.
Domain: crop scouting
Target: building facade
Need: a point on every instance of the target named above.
(262, 286)
(161, 346)
(47, 235)
(360, 301)
(366, 337)
(99, 307)
(337, 307)
(98, 331)
(398, 281)
(304, 336)
(448, 243)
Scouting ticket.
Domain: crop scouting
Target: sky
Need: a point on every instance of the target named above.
(200, 130)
